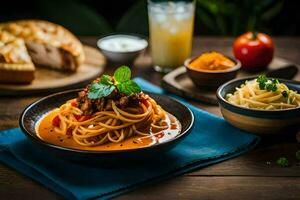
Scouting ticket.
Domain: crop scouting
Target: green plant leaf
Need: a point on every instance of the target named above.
(122, 74)
(77, 16)
(272, 11)
(135, 20)
(266, 3)
(211, 6)
(221, 24)
(227, 17)
(99, 90)
(205, 19)
(129, 87)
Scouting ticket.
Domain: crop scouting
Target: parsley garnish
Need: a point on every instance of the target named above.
(120, 80)
(262, 79)
(282, 162)
(267, 84)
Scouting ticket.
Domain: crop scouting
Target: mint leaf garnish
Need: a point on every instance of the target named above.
(129, 87)
(122, 74)
(99, 90)
(106, 80)
(120, 81)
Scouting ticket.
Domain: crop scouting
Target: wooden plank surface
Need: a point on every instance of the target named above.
(253, 175)
(221, 187)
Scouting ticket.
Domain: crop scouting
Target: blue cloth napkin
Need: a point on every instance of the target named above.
(212, 140)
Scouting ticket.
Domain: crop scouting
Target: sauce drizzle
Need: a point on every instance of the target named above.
(45, 131)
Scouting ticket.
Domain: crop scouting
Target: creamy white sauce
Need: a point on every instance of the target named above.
(122, 43)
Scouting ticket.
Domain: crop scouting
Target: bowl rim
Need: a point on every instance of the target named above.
(135, 36)
(251, 110)
(57, 147)
(236, 67)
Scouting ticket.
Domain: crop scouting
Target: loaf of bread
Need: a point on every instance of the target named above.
(15, 63)
(27, 44)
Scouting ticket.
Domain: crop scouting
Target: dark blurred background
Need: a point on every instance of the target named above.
(213, 17)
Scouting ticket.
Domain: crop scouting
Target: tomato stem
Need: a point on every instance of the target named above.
(254, 35)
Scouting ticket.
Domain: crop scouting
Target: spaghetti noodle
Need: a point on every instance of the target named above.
(251, 95)
(113, 125)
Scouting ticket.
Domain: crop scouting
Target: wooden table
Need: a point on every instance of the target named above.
(253, 175)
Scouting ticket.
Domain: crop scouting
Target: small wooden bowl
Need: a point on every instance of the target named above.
(211, 79)
(263, 122)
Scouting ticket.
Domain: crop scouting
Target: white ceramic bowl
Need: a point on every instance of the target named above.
(121, 48)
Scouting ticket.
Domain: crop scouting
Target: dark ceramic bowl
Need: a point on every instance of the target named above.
(211, 79)
(255, 120)
(36, 110)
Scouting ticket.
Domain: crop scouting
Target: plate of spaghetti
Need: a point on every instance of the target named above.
(261, 104)
(112, 117)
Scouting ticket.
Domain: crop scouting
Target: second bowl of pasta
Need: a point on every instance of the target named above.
(261, 104)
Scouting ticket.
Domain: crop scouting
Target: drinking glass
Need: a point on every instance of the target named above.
(171, 26)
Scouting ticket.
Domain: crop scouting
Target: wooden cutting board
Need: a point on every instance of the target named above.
(179, 83)
(48, 80)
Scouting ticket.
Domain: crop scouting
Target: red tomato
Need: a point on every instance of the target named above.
(86, 117)
(77, 117)
(69, 132)
(82, 118)
(56, 121)
(74, 103)
(145, 102)
(255, 51)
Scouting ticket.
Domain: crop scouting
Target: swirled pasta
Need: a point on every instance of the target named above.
(252, 95)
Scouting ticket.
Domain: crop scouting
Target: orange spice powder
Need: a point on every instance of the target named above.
(211, 61)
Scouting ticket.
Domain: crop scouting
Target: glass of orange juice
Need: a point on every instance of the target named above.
(171, 26)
